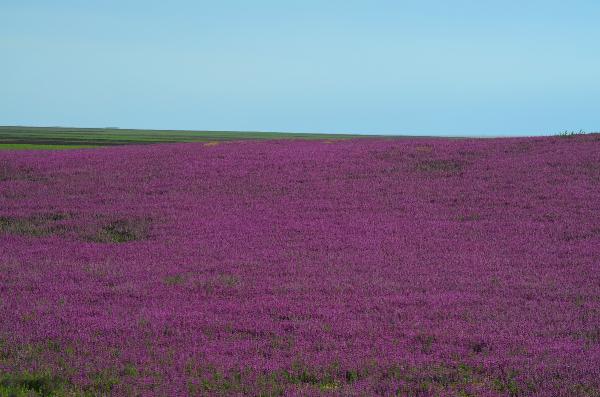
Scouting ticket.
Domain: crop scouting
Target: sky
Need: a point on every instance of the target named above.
(423, 67)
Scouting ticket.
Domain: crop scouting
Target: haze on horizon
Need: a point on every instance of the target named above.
(384, 67)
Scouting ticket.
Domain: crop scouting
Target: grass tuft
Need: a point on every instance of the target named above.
(36, 225)
(28, 384)
(175, 279)
(123, 231)
(439, 166)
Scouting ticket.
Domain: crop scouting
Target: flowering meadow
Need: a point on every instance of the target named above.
(333, 267)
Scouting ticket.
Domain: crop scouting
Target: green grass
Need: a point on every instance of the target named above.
(30, 384)
(33, 146)
(17, 138)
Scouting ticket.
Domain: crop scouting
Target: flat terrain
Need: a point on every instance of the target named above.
(14, 138)
(303, 267)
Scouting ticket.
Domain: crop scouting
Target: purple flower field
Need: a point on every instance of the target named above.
(360, 267)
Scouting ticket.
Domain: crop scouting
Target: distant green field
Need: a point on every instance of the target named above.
(33, 146)
(15, 138)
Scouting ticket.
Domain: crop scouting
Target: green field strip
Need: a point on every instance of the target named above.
(17, 137)
(26, 146)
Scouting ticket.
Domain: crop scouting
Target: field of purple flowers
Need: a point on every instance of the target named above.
(360, 267)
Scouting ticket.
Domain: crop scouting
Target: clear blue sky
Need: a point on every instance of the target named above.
(372, 66)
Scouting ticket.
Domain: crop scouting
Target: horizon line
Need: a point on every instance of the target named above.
(362, 134)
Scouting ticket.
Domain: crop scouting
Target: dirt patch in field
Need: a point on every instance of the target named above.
(122, 231)
(392, 154)
(64, 225)
(36, 225)
(423, 149)
(439, 166)
(519, 148)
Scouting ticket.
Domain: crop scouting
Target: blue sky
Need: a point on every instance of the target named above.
(374, 66)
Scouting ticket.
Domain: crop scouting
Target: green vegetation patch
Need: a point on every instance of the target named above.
(49, 138)
(31, 384)
(460, 379)
(33, 146)
(123, 231)
(440, 166)
(35, 226)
